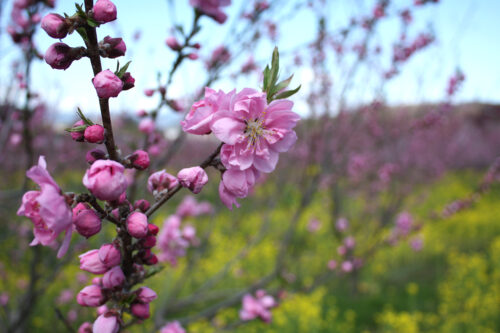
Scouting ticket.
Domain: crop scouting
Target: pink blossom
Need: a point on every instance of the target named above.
(404, 223)
(113, 278)
(190, 207)
(236, 184)
(219, 56)
(313, 225)
(173, 43)
(256, 132)
(94, 134)
(140, 310)
(193, 178)
(347, 266)
(161, 180)
(332, 264)
(149, 92)
(91, 296)
(86, 327)
(342, 224)
(212, 8)
(107, 84)
(139, 160)
(349, 242)
(59, 56)
(113, 47)
(145, 295)
(172, 327)
(107, 323)
(147, 126)
(257, 307)
(87, 222)
(105, 179)
(199, 118)
(417, 243)
(47, 209)
(171, 242)
(104, 11)
(110, 255)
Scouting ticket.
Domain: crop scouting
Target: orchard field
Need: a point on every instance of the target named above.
(249, 166)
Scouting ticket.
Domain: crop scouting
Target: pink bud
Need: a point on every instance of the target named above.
(107, 84)
(160, 181)
(113, 278)
(140, 310)
(145, 295)
(193, 178)
(91, 296)
(149, 241)
(128, 81)
(97, 281)
(141, 113)
(86, 327)
(139, 159)
(107, 323)
(197, 46)
(173, 43)
(147, 126)
(193, 56)
(90, 262)
(347, 266)
(104, 11)
(105, 179)
(102, 309)
(137, 225)
(78, 136)
(152, 260)
(113, 47)
(94, 155)
(87, 223)
(94, 134)
(332, 264)
(142, 204)
(55, 25)
(149, 92)
(110, 255)
(153, 229)
(59, 56)
(80, 207)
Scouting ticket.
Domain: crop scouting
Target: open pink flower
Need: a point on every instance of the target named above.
(236, 184)
(257, 132)
(257, 307)
(172, 240)
(172, 327)
(47, 209)
(211, 8)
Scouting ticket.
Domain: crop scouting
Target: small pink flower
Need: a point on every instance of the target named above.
(145, 295)
(91, 296)
(147, 126)
(193, 178)
(211, 8)
(137, 225)
(347, 266)
(110, 255)
(107, 323)
(200, 116)
(113, 278)
(257, 307)
(161, 180)
(90, 262)
(173, 43)
(139, 160)
(342, 224)
(172, 327)
(140, 310)
(105, 179)
(47, 209)
(55, 25)
(107, 84)
(87, 222)
(94, 134)
(104, 11)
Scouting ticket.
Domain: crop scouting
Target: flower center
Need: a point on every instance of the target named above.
(254, 130)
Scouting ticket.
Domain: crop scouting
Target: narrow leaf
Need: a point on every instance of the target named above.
(288, 93)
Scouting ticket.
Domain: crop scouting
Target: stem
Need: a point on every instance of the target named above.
(95, 60)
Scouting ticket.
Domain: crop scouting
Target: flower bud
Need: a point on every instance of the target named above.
(147, 126)
(97, 281)
(128, 81)
(139, 159)
(137, 225)
(113, 278)
(102, 309)
(193, 178)
(87, 223)
(94, 155)
(107, 84)
(197, 46)
(86, 327)
(60, 55)
(78, 136)
(140, 310)
(107, 323)
(149, 92)
(141, 113)
(55, 25)
(153, 229)
(152, 260)
(104, 11)
(112, 47)
(79, 207)
(94, 134)
(110, 255)
(149, 241)
(145, 295)
(173, 43)
(193, 56)
(332, 264)
(105, 179)
(142, 204)
(90, 262)
(160, 181)
(91, 296)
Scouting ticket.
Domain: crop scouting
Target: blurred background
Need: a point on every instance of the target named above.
(382, 218)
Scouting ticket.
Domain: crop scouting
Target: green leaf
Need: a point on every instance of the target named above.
(283, 84)
(92, 23)
(81, 31)
(275, 66)
(266, 73)
(76, 129)
(123, 70)
(82, 117)
(288, 93)
(80, 11)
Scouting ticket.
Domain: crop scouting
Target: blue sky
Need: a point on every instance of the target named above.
(467, 37)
